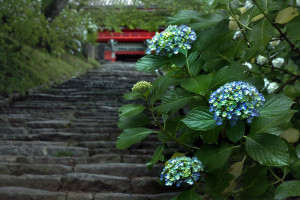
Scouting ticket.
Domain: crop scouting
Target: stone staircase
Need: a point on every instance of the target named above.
(60, 144)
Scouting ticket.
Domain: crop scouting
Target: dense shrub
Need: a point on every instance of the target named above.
(231, 101)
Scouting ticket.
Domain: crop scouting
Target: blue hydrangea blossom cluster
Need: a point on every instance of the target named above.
(181, 169)
(236, 101)
(172, 40)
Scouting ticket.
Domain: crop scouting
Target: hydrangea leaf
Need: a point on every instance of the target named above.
(214, 157)
(275, 125)
(133, 95)
(288, 189)
(200, 119)
(235, 133)
(261, 34)
(150, 63)
(197, 84)
(133, 121)
(255, 181)
(267, 149)
(298, 150)
(211, 136)
(178, 59)
(286, 15)
(275, 105)
(131, 109)
(157, 156)
(293, 28)
(131, 136)
(189, 195)
(173, 100)
(234, 72)
(291, 135)
(158, 88)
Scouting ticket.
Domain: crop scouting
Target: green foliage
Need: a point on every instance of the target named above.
(248, 159)
(131, 136)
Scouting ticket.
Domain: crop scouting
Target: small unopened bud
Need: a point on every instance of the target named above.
(277, 62)
(141, 86)
(249, 65)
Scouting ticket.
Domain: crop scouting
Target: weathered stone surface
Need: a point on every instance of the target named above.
(48, 124)
(20, 193)
(119, 169)
(142, 159)
(79, 196)
(45, 182)
(106, 158)
(52, 160)
(95, 182)
(46, 169)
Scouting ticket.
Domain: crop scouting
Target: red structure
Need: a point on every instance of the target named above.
(129, 42)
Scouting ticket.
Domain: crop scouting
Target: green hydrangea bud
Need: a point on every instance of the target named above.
(141, 86)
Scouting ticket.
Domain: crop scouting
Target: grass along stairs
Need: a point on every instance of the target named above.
(60, 144)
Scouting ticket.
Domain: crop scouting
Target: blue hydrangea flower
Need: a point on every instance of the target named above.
(172, 40)
(181, 169)
(235, 101)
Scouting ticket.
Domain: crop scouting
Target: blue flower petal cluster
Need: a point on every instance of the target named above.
(181, 169)
(172, 40)
(236, 101)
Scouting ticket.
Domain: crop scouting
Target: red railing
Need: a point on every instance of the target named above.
(125, 36)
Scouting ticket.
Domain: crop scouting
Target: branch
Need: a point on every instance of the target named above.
(283, 70)
(291, 80)
(283, 35)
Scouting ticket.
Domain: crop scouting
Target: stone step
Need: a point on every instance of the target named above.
(48, 124)
(95, 183)
(42, 169)
(54, 151)
(13, 130)
(44, 182)
(22, 193)
(119, 169)
(72, 137)
(123, 196)
(117, 158)
(33, 143)
(63, 160)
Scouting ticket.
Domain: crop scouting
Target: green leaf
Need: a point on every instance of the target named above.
(178, 59)
(275, 125)
(261, 34)
(197, 84)
(189, 136)
(234, 72)
(293, 28)
(133, 95)
(131, 109)
(158, 88)
(200, 118)
(196, 20)
(157, 156)
(298, 150)
(275, 105)
(255, 181)
(214, 157)
(236, 48)
(267, 149)
(150, 63)
(133, 121)
(131, 136)
(291, 135)
(211, 136)
(173, 100)
(288, 189)
(189, 195)
(235, 133)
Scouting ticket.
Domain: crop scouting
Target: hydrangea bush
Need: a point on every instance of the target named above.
(229, 98)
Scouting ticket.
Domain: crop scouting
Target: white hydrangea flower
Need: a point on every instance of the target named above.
(238, 35)
(249, 65)
(272, 87)
(248, 4)
(298, 2)
(277, 62)
(261, 60)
